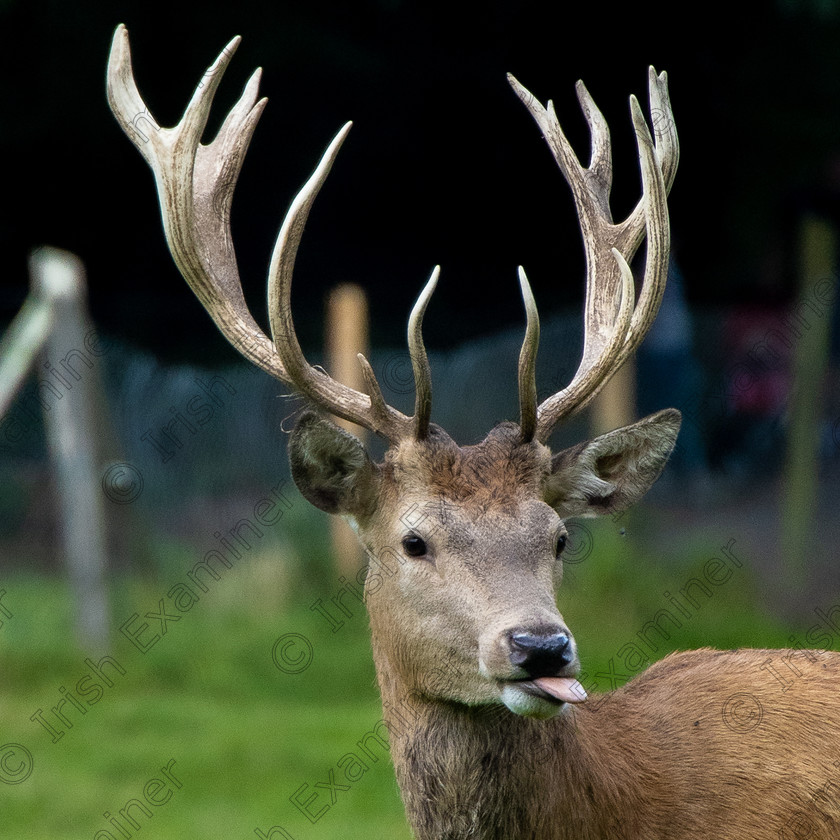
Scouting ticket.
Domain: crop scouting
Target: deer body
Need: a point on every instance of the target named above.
(466, 542)
(653, 760)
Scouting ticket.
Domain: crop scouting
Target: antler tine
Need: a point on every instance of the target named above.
(195, 185)
(322, 389)
(613, 329)
(658, 233)
(377, 401)
(664, 127)
(528, 363)
(419, 359)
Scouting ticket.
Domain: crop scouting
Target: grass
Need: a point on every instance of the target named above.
(245, 736)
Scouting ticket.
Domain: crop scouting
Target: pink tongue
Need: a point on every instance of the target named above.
(563, 688)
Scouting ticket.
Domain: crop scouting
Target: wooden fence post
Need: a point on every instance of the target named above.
(347, 335)
(57, 277)
(615, 404)
(817, 265)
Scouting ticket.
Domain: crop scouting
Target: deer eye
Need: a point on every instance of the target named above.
(414, 546)
(560, 545)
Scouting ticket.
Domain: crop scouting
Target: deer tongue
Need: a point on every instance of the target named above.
(567, 689)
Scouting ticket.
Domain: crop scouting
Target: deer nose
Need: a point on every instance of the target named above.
(540, 654)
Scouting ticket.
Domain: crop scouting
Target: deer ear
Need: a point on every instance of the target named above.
(611, 472)
(332, 468)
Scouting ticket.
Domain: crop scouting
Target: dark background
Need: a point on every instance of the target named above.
(444, 165)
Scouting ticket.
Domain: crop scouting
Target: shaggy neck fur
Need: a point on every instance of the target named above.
(479, 772)
(654, 760)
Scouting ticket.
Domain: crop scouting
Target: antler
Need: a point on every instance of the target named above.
(195, 185)
(614, 327)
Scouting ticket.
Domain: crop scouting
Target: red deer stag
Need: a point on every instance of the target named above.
(468, 642)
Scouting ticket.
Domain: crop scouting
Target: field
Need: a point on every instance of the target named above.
(248, 698)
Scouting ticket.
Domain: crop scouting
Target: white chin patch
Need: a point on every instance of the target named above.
(522, 703)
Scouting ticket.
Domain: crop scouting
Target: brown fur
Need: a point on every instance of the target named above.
(705, 744)
(654, 760)
(481, 476)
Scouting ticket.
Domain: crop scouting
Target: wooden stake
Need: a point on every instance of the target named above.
(615, 405)
(812, 324)
(58, 277)
(347, 335)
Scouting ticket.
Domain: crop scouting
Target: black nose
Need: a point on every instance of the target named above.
(540, 654)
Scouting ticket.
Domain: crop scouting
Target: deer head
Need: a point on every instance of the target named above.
(465, 543)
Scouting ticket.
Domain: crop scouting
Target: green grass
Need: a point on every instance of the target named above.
(244, 735)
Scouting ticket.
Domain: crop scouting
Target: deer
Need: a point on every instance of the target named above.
(470, 649)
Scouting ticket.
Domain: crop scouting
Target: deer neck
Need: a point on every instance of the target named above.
(484, 773)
